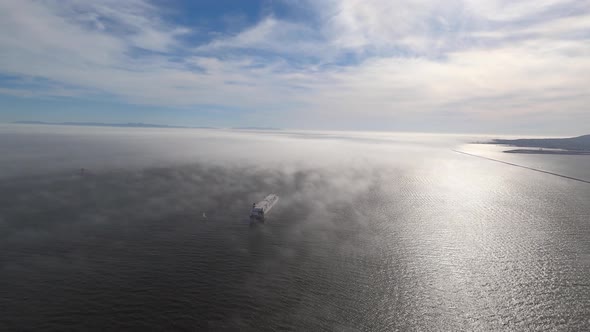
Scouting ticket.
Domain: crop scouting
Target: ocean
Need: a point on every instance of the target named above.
(147, 229)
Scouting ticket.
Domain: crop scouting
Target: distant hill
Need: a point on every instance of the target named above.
(256, 128)
(100, 124)
(580, 143)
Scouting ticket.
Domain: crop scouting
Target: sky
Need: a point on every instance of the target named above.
(485, 66)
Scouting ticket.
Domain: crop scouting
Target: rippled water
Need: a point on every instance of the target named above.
(373, 232)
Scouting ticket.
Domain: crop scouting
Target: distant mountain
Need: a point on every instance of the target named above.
(580, 143)
(100, 124)
(256, 128)
(31, 122)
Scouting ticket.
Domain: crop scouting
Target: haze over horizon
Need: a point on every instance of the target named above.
(489, 66)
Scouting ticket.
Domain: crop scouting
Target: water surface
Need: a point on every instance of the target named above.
(373, 232)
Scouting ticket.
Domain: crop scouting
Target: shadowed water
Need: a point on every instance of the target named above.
(373, 232)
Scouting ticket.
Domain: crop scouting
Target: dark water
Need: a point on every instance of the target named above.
(373, 232)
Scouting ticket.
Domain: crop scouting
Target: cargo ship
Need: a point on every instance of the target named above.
(260, 209)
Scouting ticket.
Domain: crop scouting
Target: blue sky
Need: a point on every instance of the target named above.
(421, 65)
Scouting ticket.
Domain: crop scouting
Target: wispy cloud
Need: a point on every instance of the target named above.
(349, 61)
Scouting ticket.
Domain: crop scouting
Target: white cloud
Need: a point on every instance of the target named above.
(506, 10)
(411, 59)
(273, 35)
(472, 81)
(360, 24)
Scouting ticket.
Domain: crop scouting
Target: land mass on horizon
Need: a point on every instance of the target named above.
(134, 125)
(102, 124)
(579, 145)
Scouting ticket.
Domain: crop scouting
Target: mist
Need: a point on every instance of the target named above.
(133, 177)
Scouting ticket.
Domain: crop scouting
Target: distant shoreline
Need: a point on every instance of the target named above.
(557, 146)
(558, 152)
(134, 125)
(101, 124)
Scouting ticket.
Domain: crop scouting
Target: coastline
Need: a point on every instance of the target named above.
(554, 152)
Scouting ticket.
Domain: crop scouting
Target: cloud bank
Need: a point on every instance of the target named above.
(461, 65)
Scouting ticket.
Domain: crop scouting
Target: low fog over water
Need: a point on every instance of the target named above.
(373, 231)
